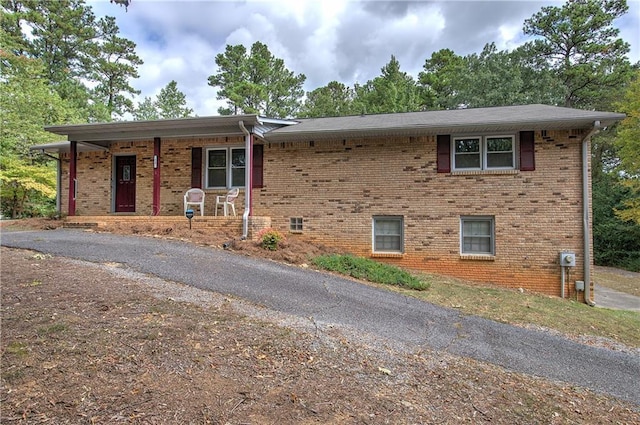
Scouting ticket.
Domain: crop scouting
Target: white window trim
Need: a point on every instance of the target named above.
(228, 167)
(373, 233)
(490, 218)
(296, 224)
(483, 152)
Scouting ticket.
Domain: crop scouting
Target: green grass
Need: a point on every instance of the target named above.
(369, 270)
(19, 349)
(503, 305)
(513, 307)
(52, 329)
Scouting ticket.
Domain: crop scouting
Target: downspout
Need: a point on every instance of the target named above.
(247, 180)
(586, 208)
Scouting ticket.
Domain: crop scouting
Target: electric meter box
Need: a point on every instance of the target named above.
(567, 259)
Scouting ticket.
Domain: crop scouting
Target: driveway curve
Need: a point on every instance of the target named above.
(332, 301)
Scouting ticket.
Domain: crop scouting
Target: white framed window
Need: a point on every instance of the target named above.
(477, 235)
(295, 224)
(483, 152)
(388, 234)
(225, 167)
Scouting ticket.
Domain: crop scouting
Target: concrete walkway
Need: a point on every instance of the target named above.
(332, 303)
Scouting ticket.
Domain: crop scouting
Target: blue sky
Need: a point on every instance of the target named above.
(347, 41)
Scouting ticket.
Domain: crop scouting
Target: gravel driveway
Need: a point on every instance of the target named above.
(333, 302)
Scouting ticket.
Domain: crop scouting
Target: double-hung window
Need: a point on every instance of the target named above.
(483, 152)
(388, 234)
(477, 235)
(225, 167)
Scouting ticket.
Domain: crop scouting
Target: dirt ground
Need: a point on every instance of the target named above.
(98, 344)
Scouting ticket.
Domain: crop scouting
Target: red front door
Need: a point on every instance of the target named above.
(125, 183)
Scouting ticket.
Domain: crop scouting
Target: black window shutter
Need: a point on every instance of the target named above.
(444, 153)
(196, 167)
(527, 151)
(258, 167)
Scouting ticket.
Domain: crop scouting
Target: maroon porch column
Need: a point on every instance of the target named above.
(250, 186)
(73, 182)
(156, 175)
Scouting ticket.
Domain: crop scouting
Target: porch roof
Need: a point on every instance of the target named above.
(103, 134)
(493, 119)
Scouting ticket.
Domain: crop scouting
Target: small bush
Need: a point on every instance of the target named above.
(364, 268)
(270, 238)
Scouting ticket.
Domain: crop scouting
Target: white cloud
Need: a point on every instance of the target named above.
(326, 40)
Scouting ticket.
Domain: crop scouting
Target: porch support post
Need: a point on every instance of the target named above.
(73, 181)
(156, 175)
(250, 167)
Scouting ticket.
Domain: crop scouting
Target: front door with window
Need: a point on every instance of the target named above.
(125, 184)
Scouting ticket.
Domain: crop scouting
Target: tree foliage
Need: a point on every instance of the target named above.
(256, 82)
(628, 140)
(392, 91)
(170, 103)
(51, 52)
(28, 103)
(579, 43)
(441, 79)
(77, 51)
(628, 147)
(25, 188)
(616, 241)
(333, 100)
(146, 110)
(114, 66)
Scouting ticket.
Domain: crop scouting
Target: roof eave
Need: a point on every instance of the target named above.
(136, 130)
(557, 124)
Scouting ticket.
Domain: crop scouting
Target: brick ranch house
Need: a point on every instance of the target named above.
(489, 194)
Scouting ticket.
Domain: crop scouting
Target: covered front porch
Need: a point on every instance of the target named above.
(139, 172)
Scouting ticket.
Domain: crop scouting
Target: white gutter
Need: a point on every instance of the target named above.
(248, 167)
(586, 208)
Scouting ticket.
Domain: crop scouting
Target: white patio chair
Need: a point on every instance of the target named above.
(194, 196)
(227, 201)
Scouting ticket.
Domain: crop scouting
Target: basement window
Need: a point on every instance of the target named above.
(477, 235)
(388, 234)
(295, 224)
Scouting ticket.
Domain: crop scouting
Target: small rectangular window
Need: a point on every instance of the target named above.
(388, 234)
(477, 235)
(295, 224)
